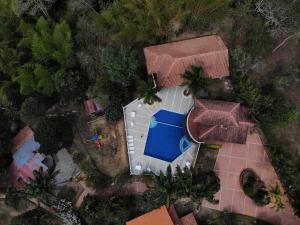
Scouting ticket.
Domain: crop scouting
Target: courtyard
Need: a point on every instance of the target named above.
(232, 159)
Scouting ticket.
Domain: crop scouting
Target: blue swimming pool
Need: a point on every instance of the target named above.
(166, 140)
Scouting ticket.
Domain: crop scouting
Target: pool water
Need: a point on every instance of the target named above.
(166, 140)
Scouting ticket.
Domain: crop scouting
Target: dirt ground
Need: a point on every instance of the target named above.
(111, 157)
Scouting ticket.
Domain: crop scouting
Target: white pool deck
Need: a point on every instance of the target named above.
(137, 116)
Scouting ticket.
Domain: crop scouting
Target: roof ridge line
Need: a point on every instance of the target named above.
(208, 131)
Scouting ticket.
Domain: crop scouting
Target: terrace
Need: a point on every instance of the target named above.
(155, 133)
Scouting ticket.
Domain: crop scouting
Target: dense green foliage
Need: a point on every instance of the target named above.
(42, 187)
(54, 134)
(140, 20)
(187, 183)
(51, 47)
(265, 103)
(36, 216)
(118, 210)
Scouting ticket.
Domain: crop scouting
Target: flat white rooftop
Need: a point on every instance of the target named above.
(137, 117)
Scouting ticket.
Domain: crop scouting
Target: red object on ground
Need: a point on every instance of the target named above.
(232, 159)
(212, 120)
(169, 60)
(91, 107)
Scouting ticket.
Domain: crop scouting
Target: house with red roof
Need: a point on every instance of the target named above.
(26, 158)
(169, 60)
(213, 121)
(163, 216)
(208, 120)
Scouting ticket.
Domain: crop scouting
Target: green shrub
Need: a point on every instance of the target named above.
(254, 188)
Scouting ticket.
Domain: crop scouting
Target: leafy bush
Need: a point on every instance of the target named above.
(187, 183)
(254, 188)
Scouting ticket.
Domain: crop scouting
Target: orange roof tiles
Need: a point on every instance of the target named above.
(212, 120)
(156, 217)
(170, 60)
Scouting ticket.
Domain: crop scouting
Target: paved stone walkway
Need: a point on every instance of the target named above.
(231, 160)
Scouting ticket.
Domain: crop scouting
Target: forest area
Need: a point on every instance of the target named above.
(58, 53)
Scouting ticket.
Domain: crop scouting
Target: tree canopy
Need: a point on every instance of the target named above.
(51, 49)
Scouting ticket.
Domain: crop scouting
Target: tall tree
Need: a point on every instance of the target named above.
(42, 187)
(195, 81)
(51, 48)
(148, 92)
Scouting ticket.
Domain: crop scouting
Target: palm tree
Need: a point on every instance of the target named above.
(148, 92)
(42, 187)
(275, 196)
(195, 81)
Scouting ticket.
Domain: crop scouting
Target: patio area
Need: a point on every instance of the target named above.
(231, 160)
(137, 117)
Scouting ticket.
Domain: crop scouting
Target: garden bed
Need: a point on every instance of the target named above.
(254, 187)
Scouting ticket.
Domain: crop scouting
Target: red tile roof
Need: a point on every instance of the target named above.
(170, 60)
(212, 120)
(156, 217)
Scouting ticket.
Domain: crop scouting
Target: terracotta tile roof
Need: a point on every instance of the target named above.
(212, 120)
(170, 60)
(156, 217)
